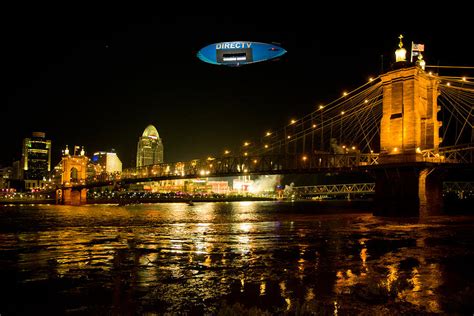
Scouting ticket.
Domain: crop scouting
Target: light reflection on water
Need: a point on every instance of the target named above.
(275, 257)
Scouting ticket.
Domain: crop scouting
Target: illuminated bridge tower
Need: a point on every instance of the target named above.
(73, 175)
(405, 184)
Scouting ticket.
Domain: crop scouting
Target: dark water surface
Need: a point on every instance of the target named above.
(241, 257)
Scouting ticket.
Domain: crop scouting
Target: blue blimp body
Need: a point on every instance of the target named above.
(239, 53)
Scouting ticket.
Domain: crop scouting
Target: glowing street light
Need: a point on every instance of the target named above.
(226, 152)
(292, 121)
(268, 134)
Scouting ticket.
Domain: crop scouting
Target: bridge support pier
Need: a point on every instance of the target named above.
(71, 196)
(408, 191)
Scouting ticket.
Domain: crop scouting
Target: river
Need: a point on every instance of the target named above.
(232, 258)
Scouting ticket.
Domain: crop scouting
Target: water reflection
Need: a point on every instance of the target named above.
(272, 257)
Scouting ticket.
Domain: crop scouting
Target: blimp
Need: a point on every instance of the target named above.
(239, 53)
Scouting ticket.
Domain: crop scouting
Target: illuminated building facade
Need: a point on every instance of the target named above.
(36, 157)
(108, 161)
(150, 148)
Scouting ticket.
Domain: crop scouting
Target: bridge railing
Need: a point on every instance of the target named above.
(459, 154)
(278, 164)
(252, 164)
(455, 154)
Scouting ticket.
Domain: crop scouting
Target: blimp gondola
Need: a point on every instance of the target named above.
(239, 53)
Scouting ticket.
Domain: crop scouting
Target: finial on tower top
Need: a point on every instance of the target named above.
(401, 53)
(420, 62)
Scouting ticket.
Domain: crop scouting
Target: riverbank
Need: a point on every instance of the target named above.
(178, 200)
(27, 202)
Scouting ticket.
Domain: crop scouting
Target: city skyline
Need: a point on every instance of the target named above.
(97, 84)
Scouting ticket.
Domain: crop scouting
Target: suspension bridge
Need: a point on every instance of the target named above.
(404, 126)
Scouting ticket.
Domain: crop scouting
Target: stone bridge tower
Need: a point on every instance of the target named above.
(406, 185)
(409, 122)
(73, 175)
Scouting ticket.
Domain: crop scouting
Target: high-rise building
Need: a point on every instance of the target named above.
(36, 157)
(108, 161)
(150, 148)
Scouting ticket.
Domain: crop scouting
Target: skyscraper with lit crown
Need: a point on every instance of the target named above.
(150, 147)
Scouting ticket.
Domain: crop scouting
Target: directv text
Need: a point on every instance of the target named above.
(233, 45)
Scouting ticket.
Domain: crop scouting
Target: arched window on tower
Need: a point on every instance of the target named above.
(74, 175)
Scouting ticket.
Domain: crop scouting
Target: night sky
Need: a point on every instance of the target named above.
(98, 78)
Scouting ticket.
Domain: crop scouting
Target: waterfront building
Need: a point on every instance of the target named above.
(6, 175)
(150, 148)
(36, 157)
(35, 161)
(108, 161)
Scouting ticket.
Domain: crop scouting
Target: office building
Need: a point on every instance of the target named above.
(36, 157)
(109, 161)
(150, 148)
